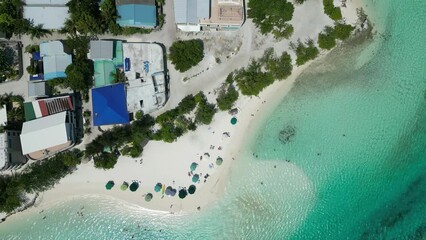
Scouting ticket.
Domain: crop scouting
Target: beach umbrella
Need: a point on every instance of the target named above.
(158, 187)
(219, 161)
(191, 189)
(124, 186)
(195, 178)
(233, 121)
(193, 166)
(169, 190)
(134, 186)
(182, 193)
(148, 197)
(109, 185)
(173, 192)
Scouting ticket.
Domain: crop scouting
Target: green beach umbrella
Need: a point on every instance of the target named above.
(233, 121)
(195, 178)
(148, 197)
(124, 186)
(134, 186)
(219, 161)
(109, 185)
(158, 187)
(191, 189)
(193, 166)
(182, 193)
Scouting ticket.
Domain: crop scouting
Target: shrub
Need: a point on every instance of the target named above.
(186, 54)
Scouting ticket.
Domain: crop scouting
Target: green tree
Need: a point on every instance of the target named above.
(187, 104)
(305, 52)
(327, 38)
(252, 80)
(186, 54)
(79, 76)
(281, 67)
(205, 111)
(110, 16)
(333, 12)
(271, 16)
(85, 15)
(105, 160)
(343, 31)
(71, 158)
(227, 97)
(38, 31)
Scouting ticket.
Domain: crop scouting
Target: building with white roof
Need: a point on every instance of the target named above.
(46, 136)
(145, 73)
(52, 14)
(202, 15)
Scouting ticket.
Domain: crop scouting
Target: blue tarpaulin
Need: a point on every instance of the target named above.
(109, 105)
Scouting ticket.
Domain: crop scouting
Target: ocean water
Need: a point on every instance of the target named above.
(354, 169)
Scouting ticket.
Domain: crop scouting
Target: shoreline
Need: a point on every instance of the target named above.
(161, 166)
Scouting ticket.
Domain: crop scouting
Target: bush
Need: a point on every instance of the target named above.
(327, 39)
(186, 54)
(305, 52)
(271, 16)
(332, 11)
(227, 98)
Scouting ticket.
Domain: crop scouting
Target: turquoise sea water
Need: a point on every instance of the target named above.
(355, 169)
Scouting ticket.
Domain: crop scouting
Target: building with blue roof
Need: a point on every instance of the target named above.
(55, 60)
(137, 13)
(109, 105)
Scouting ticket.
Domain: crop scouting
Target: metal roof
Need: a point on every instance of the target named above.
(190, 11)
(46, 2)
(55, 60)
(36, 89)
(52, 130)
(137, 15)
(3, 150)
(109, 105)
(145, 2)
(101, 49)
(51, 17)
(3, 115)
(104, 72)
(54, 66)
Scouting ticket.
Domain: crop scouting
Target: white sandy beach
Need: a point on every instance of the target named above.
(169, 163)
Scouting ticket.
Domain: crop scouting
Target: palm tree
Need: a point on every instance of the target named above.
(38, 31)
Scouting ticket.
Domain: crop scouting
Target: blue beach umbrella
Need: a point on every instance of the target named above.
(195, 178)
